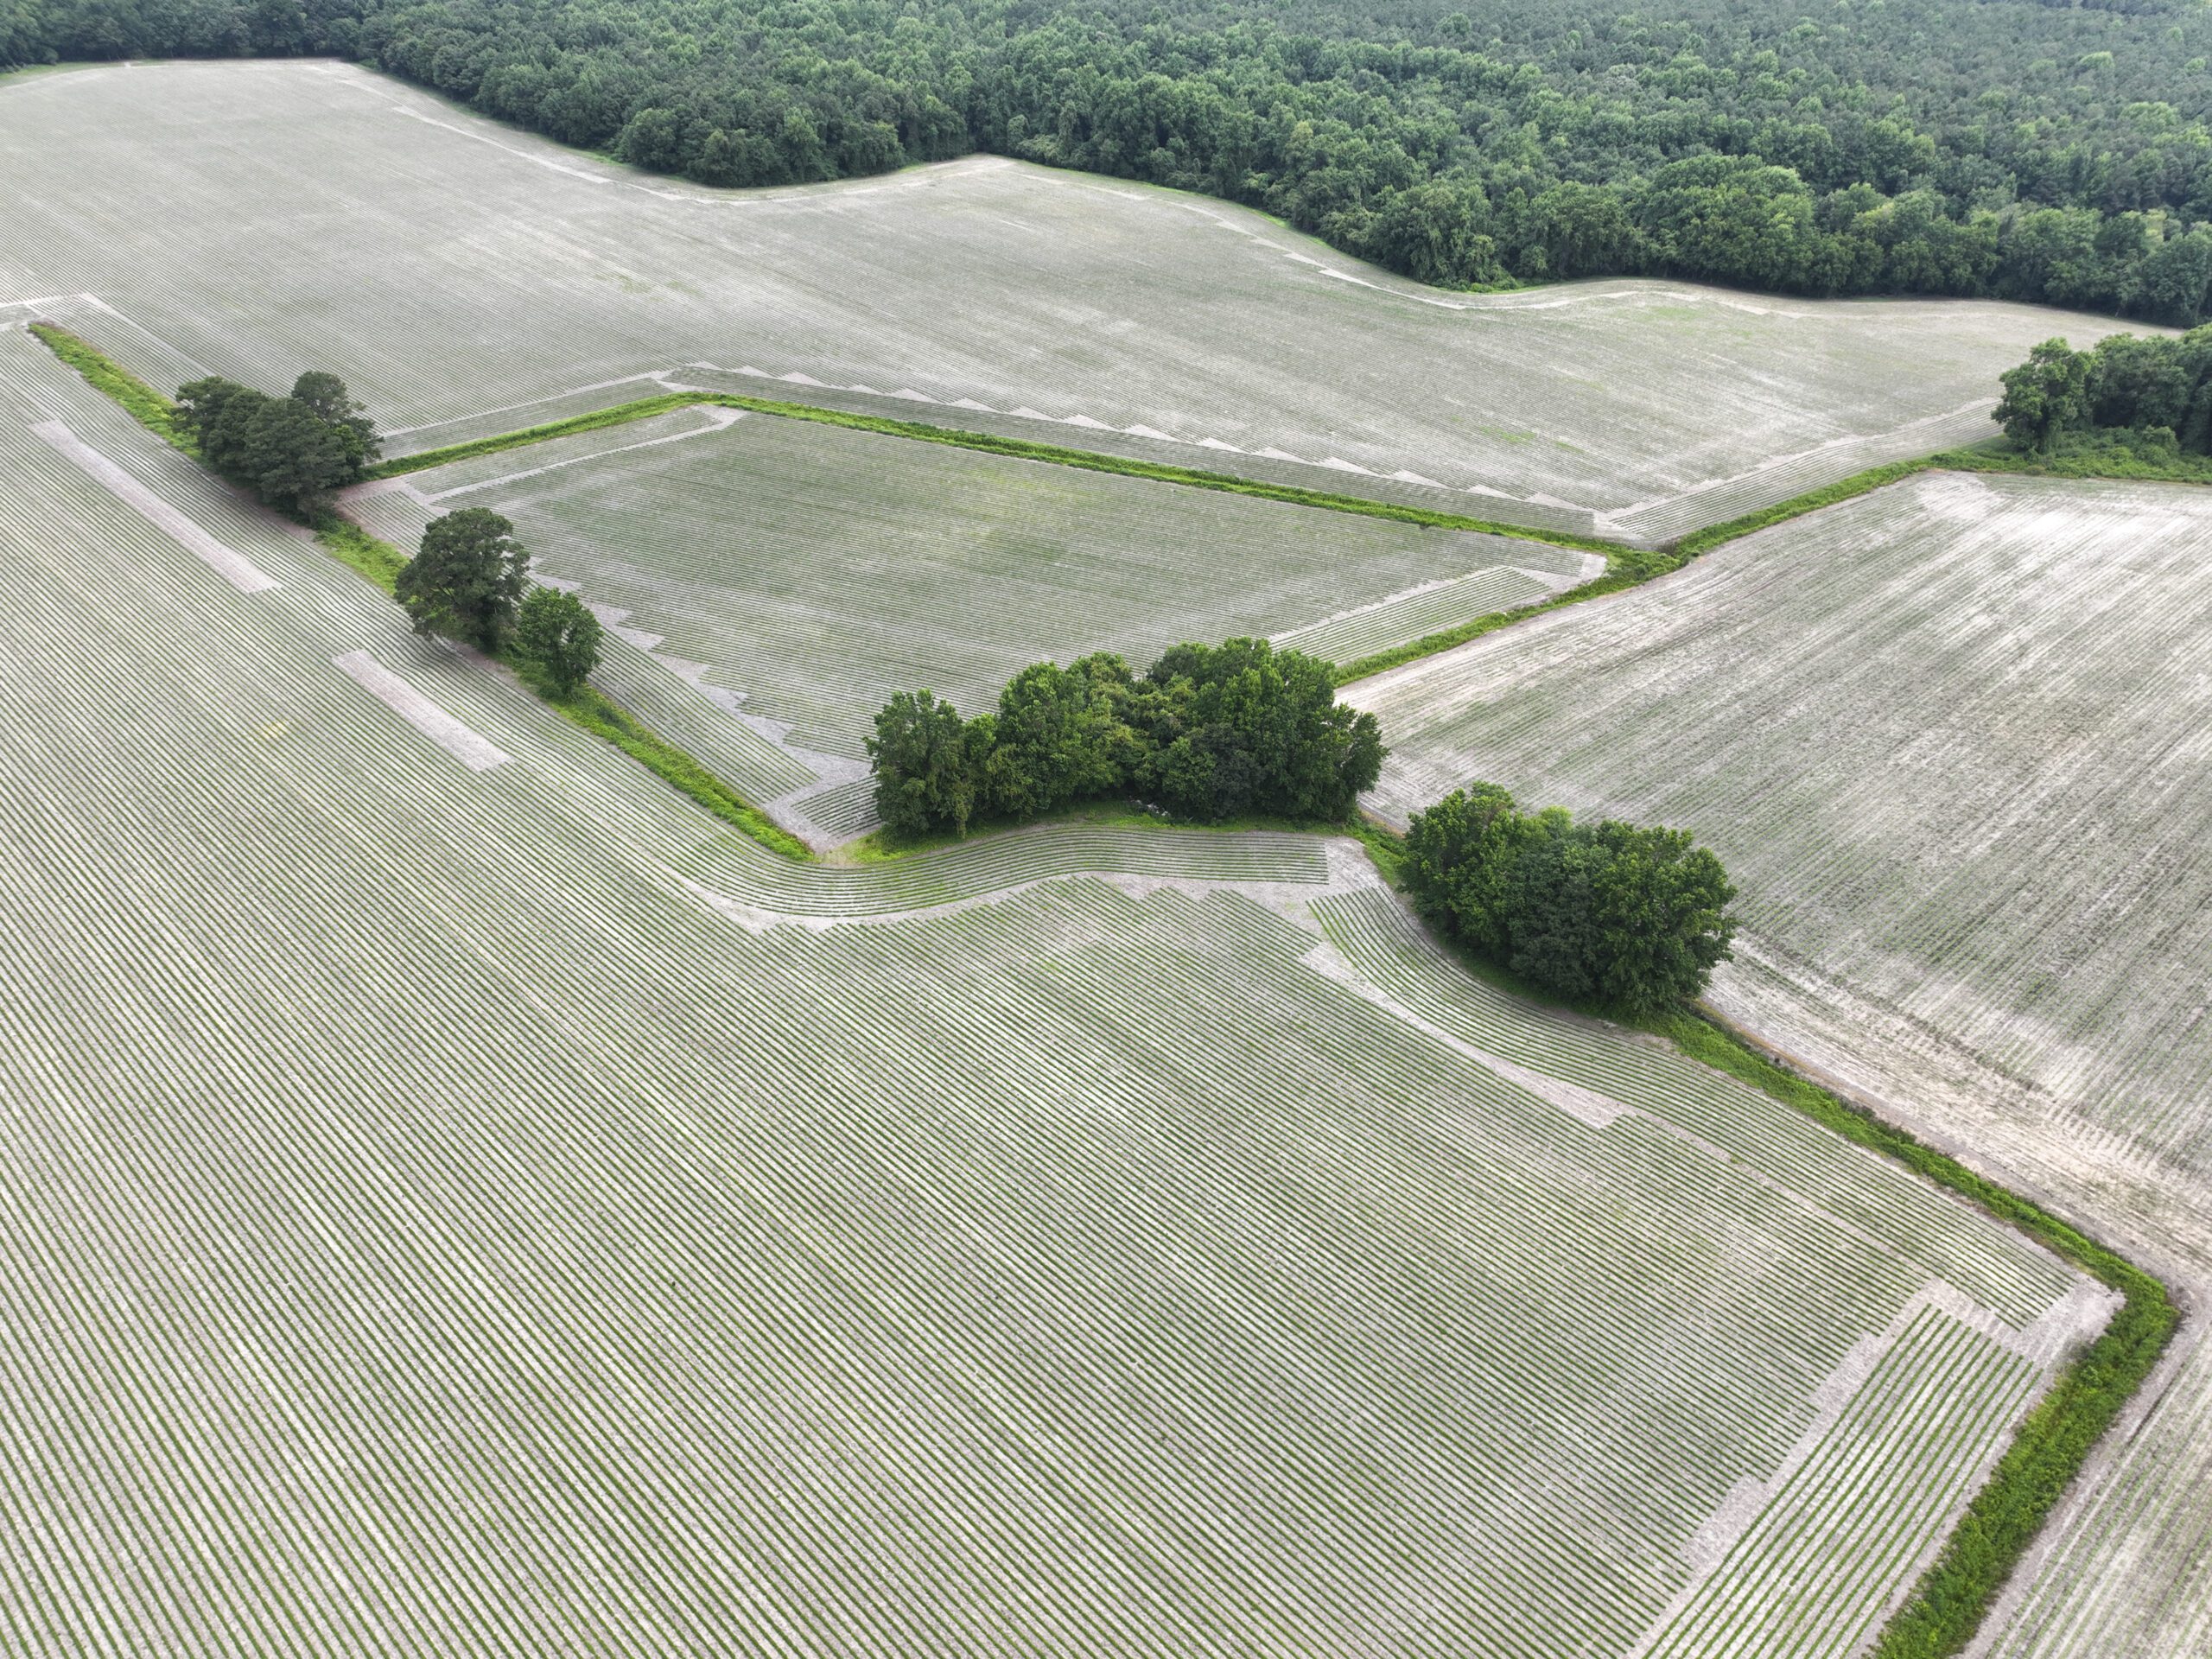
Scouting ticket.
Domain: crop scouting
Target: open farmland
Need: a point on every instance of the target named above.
(1952, 741)
(816, 571)
(463, 277)
(462, 1199)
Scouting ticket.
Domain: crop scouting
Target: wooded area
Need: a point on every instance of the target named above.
(2032, 151)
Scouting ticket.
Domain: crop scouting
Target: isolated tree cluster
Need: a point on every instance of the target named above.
(470, 582)
(1629, 917)
(1208, 733)
(292, 451)
(2158, 388)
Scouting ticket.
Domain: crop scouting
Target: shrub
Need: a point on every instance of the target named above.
(926, 765)
(1211, 732)
(292, 452)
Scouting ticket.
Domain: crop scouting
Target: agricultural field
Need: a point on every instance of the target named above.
(814, 571)
(464, 278)
(1951, 740)
(463, 1199)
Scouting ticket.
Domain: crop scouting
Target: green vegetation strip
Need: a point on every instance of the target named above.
(380, 563)
(1016, 448)
(1704, 541)
(1630, 567)
(1626, 568)
(2054, 1439)
(145, 405)
(1946, 1607)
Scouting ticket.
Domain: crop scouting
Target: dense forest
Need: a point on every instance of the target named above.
(2034, 151)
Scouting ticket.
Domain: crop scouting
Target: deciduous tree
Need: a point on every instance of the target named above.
(557, 638)
(465, 580)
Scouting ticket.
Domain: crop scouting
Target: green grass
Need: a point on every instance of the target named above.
(1704, 541)
(884, 846)
(347, 542)
(2122, 453)
(380, 563)
(2111, 457)
(603, 716)
(615, 414)
(2053, 1441)
(145, 405)
(1627, 567)
(1947, 1607)
(586, 707)
(1018, 448)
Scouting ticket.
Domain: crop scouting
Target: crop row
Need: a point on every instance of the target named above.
(1961, 768)
(1811, 1576)
(819, 570)
(432, 1227)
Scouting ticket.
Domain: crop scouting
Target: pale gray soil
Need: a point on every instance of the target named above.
(434, 1226)
(1953, 741)
(446, 266)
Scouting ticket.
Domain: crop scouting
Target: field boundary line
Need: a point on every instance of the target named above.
(990, 443)
(379, 562)
(731, 417)
(231, 565)
(2086, 1397)
(2003, 1518)
(2038, 1470)
(470, 747)
(1627, 564)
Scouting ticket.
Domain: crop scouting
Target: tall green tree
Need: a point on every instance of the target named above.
(292, 452)
(1242, 727)
(466, 581)
(926, 765)
(1632, 916)
(2044, 395)
(557, 638)
(1061, 737)
(326, 395)
(215, 415)
(291, 457)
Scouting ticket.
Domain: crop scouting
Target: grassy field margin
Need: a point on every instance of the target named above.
(380, 563)
(1015, 449)
(1946, 1607)
(1625, 566)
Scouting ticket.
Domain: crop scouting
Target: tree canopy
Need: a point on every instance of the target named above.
(2157, 389)
(556, 638)
(292, 451)
(1208, 733)
(2031, 150)
(466, 581)
(1616, 913)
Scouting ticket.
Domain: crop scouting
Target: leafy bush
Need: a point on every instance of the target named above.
(1209, 733)
(2158, 391)
(1611, 912)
